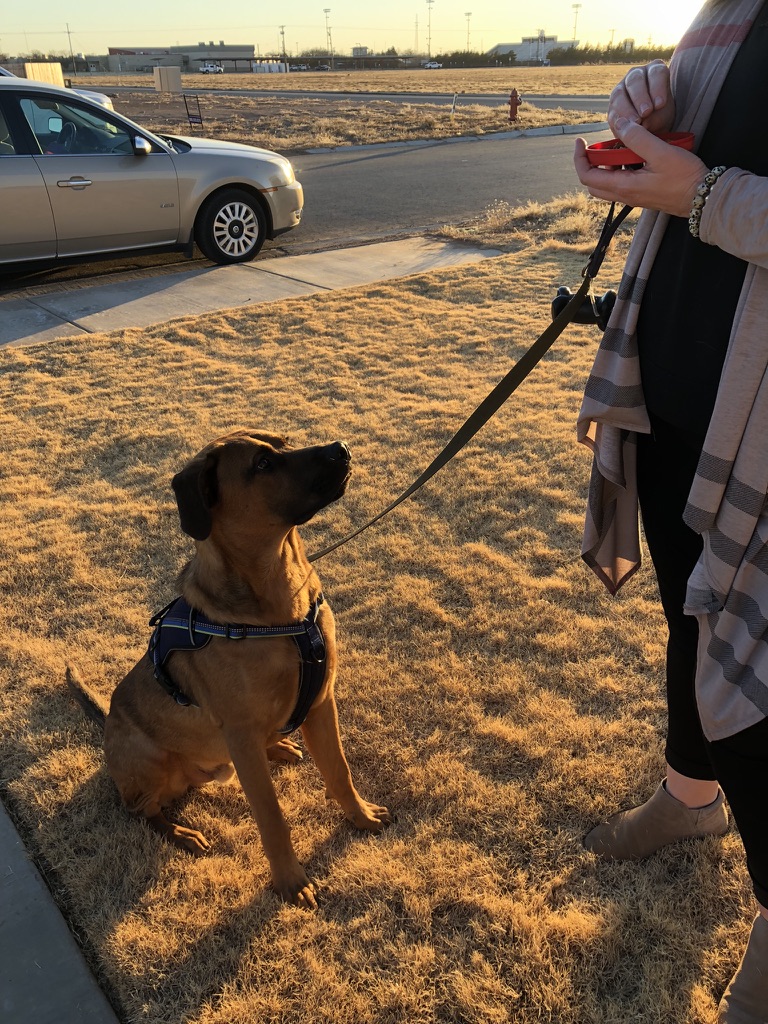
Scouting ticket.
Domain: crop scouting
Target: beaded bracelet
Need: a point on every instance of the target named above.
(702, 193)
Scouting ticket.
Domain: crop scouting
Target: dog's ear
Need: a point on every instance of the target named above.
(197, 490)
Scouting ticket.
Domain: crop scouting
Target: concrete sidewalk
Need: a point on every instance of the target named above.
(127, 301)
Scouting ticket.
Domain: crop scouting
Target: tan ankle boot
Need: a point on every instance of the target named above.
(660, 821)
(745, 1001)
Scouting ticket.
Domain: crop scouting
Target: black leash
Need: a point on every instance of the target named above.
(493, 401)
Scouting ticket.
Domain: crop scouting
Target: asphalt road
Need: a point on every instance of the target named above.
(363, 194)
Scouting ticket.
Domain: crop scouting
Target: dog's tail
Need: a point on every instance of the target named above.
(88, 701)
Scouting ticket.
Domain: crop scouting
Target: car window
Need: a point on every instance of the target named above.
(7, 147)
(68, 128)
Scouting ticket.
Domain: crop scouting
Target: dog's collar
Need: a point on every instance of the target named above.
(180, 627)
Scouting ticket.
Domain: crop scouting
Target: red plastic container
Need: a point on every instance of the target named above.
(614, 153)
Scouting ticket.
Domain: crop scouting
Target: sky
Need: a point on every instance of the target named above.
(445, 25)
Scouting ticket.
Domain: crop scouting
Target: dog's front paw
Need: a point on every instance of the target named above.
(370, 817)
(299, 889)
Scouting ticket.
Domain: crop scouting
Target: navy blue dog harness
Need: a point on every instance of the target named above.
(179, 627)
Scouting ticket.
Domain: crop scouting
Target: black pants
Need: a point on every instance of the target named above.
(666, 464)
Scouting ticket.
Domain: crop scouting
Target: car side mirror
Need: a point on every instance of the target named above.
(141, 147)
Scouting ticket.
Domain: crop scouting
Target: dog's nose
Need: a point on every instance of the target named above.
(339, 452)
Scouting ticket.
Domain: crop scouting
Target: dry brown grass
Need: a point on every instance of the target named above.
(572, 223)
(292, 125)
(490, 692)
(535, 81)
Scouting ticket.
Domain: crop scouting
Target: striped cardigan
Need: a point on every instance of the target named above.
(728, 589)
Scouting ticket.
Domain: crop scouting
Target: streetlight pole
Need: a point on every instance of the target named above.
(576, 9)
(468, 15)
(429, 27)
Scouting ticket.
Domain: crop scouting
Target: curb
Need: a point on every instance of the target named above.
(517, 133)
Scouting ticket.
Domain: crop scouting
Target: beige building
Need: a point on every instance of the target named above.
(239, 57)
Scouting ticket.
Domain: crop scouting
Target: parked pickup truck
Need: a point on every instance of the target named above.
(211, 69)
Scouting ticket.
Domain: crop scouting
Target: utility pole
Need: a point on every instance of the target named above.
(282, 39)
(468, 15)
(429, 27)
(576, 9)
(71, 52)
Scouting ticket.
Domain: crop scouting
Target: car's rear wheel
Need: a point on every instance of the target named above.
(230, 227)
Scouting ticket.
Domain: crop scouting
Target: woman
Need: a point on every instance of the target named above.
(676, 413)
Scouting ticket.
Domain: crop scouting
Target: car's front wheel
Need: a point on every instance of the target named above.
(230, 227)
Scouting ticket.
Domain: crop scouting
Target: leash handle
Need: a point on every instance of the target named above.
(499, 395)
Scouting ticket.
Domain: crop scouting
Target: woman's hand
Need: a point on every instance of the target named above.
(667, 182)
(644, 96)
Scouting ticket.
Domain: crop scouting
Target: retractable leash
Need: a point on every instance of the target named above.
(578, 308)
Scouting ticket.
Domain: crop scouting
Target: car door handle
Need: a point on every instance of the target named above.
(74, 183)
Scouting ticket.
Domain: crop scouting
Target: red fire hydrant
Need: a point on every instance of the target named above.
(514, 102)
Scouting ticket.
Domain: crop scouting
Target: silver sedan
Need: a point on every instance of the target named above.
(77, 180)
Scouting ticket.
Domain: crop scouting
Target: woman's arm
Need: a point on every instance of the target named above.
(735, 216)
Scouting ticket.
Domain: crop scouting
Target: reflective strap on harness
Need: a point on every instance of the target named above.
(179, 627)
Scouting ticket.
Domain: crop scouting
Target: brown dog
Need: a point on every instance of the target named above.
(241, 499)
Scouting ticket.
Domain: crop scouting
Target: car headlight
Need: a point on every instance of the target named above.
(287, 168)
